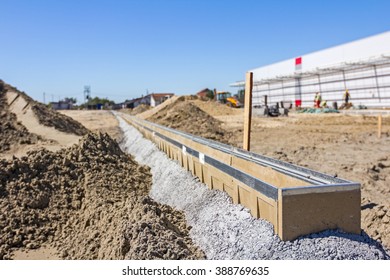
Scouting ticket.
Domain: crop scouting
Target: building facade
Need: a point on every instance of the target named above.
(155, 99)
(362, 67)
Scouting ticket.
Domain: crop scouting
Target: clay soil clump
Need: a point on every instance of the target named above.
(88, 201)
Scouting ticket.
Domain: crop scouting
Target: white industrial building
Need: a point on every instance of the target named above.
(362, 67)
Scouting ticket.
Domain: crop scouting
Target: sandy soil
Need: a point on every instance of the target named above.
(28, 125)
(42, 253)
(97, 121)
(59, 190)
(217, 109)
(57, 204)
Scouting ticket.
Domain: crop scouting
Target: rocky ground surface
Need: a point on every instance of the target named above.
(89, 201)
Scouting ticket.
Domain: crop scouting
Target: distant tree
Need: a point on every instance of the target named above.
(97, 100)
(69, 100)
(210, 94)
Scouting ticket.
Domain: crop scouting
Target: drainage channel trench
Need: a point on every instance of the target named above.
(224, 230)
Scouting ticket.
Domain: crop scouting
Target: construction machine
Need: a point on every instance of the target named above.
(226, 97)
(270, 111)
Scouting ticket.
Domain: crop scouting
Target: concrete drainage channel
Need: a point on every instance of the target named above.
(224, 230)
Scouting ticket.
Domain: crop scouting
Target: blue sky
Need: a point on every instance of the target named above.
(124, 48)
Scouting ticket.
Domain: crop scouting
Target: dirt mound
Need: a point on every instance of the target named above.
(85, 201)
(137, 110)
(376, 221)
(50, 117)
(12, 132)
(184, 115)
(159, 232)
(140, 109)
(214, 108)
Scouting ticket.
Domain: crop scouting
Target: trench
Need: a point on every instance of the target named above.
(224, 230)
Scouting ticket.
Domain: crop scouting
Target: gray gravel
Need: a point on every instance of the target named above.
(227, 231)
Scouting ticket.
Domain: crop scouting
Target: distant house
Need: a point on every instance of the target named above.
(203, 92)
(155, 99)
(132, 103)
(61, 105)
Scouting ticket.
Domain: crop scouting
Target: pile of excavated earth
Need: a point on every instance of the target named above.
(184, 115)
(12, 132)
(137, 110)
(84, 201)
(50, 118)
(140, 109)
(64, 199)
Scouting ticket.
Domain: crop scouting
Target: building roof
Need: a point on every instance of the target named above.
(344, 66)
(203, 90)
(160, 95)
(133, 100)
(353, 55)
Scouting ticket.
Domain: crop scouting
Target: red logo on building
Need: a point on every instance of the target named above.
(298, 61)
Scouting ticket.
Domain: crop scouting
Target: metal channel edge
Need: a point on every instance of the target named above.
(320, 189)
(302, 173)
(255, 183)
(320, 180)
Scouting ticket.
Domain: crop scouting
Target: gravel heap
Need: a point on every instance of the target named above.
(89, 201)
(12, 132)
(49, 117)
(185, 116)
(227, 231)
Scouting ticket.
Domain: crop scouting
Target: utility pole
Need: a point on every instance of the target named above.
(87, 93)
(44, 98)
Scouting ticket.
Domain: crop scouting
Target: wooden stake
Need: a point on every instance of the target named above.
(248, 111)
(379, 126)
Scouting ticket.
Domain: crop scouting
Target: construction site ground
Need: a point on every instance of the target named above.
(344, 145)
(336, 144)
(61, 197)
